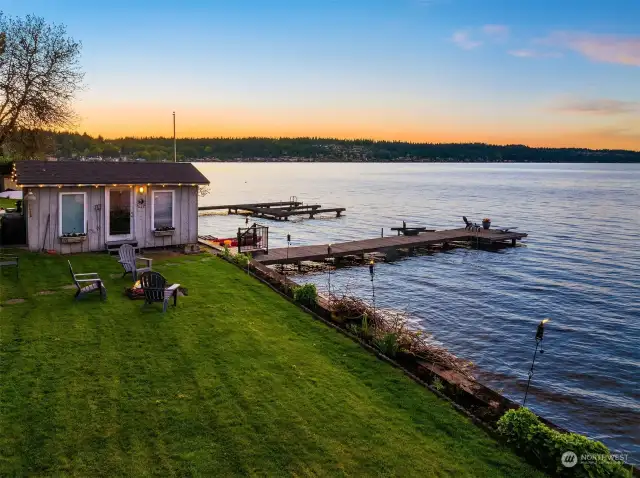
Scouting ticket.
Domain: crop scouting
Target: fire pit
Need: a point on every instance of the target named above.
(135, 291)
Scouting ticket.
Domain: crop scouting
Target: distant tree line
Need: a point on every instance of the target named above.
(68, 145)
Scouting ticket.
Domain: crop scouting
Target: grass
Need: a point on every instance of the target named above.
(7, 203)
(234, 381)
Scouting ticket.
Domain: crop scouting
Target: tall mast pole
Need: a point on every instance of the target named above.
(175, 156)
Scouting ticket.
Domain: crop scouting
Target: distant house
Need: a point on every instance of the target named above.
(90, 206)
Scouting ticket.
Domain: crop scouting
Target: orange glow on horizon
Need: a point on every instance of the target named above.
(379, 125)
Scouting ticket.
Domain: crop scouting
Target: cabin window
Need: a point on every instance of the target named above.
(73, 213)
(162, 209)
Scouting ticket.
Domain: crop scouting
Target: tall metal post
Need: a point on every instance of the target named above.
(286, 284)
(539, 337)
(329, 256)
(175, 155)
(373, 288)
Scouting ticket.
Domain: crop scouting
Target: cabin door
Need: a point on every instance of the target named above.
(119, 213)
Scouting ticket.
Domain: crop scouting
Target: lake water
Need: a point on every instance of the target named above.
(580, 267)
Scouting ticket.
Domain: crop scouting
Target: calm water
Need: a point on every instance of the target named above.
(580, 267)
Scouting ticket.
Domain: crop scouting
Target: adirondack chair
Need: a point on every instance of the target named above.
(129, 261)
(10, 261)
(155, 289)
(470, 226)
(86, 283)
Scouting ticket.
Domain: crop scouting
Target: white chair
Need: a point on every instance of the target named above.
(129, 261)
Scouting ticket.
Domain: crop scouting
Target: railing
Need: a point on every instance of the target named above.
(254, 238)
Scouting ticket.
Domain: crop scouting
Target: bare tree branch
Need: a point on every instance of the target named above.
(39, 77)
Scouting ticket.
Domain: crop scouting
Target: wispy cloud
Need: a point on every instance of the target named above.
(619, 49)
(532, 53)
(496, 32)
(472, 38)
(463, 39)
(599, 106)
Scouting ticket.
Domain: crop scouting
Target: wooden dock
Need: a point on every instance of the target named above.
(246, 207)
(277, 211)
(293, 255)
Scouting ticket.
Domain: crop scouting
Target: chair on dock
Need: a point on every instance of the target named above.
(129, 261)
(92, 281)
(155, 289)
(470, 226)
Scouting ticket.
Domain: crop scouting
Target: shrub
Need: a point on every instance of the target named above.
(388, 344)
(226, 252)
(545, 447)
(242, 259)
(306, 294)
(437, 384)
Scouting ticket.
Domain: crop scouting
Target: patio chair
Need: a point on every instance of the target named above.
(155, 289)
(468, 225)
(129, 261)
(10, 261)
(86, 283)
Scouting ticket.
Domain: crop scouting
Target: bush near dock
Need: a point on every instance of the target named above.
(545, 447)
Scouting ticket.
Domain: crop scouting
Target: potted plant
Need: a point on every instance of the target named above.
(486, 223)
(73, 237)
(164, 231)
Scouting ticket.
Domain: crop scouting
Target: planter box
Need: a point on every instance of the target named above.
(72, 240)
(163, 233)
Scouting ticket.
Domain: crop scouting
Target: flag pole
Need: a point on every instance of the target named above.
(175, 156)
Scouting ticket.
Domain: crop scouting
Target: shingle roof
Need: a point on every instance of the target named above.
(87, 172)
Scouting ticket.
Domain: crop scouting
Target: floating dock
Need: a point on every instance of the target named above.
(277, 211)
(318, 253)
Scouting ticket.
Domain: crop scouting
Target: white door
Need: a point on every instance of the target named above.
(119, 213)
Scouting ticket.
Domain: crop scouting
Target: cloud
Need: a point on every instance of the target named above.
(473, 38)
(531, 53)
(463, 39)
(600, 106)
(624, 50)
(496, 32)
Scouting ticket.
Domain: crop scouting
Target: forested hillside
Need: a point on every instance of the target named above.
(76, 146)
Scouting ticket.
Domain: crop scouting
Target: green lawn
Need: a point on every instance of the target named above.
(7, 203)
(235, 381)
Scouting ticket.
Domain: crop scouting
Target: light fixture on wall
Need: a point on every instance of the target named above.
(30, 197)
(141, 189)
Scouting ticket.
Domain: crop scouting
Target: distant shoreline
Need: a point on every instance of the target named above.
(73, 145)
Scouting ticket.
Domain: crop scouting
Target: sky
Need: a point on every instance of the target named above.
(542, 73)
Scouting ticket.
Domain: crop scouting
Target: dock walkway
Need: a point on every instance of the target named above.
(382, 244)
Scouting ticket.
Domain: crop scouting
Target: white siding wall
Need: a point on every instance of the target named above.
(46, 206)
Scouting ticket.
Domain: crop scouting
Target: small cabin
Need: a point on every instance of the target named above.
(72, 206)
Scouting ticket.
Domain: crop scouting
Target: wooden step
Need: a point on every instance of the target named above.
(114, 246)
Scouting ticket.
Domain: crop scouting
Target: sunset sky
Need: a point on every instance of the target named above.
(543, 72)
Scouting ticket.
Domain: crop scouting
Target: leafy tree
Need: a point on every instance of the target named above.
(39, 75)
